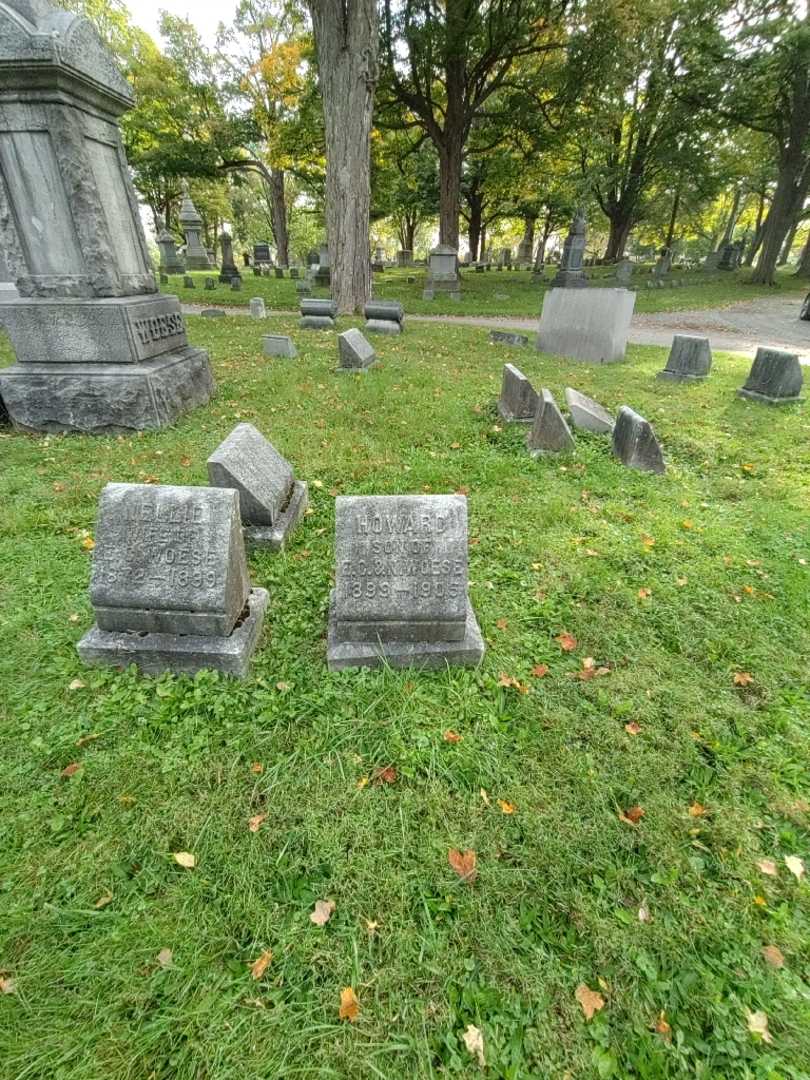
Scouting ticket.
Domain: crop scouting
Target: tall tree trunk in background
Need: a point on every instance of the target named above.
(346, 43)
(476, 224)
(450, 161)
(482, 242)
(527, 243)
(728, 232)
(803, 268)
(756, 239)
(673, 218)
(540, 258)
(784, 254)
(278, 216)
(620, 226)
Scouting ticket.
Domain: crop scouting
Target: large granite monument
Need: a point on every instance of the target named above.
(98, 348)
(191, 224)
(570, 274)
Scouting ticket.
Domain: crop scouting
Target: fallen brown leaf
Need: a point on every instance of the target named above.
(567, 642)
(85, 739)
(506, 807)
(323, 912)
(632, 728)
(644, 594)
(697, 810)
(743, 678)
(474, 1041)
(464, 863)
(70, 770)
(257, 768)
(165, 958)
(7, 985)
(632, 816)
(255, 822)
(259, 966)
(768, 866)
(773, 956)
(502, 624)
(539, 671)
(349, 1005)
(662, 1027)
(103, 900)
(451, 737)
(384, 775)
(758, 1025)
(591, 1001)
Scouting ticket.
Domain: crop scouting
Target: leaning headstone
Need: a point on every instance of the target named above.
(228, 271)
(210, 284)
(804, 313)
(400, 596)
(570, 274)
(586, 324)
(635, 444)
(587, 414)
(384, 317)
(443, 279)
(294, 273)
(317, 314)
(689, 360)
(279, 345)
(170, 585)
(518, 401)
(271, 500)
(257, 308)
(775, 378)
(354, 352)
(550, 433)
(506, 337)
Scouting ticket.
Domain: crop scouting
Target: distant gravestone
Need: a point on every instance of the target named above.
(570, 274)
(404, 257)
(169, 584)
(271, 500)
(506, 337)
(586, 324)
(624, 273)
(303, 288)
(384, 317)
(170, 261)
(663, 265)
(518, 401)
(323, 274)
(550, 433)
(228, 271)
(279, 271)
(690, 359)
(354, 352)
(635, 444)
(236, 284)
(294, 273)
(411, 279)
(587, 414)
(775, 378)
(188, 282)
(443, 276)
(317, 314)
(257, 308)
(196, 257)
(210, 284)
(261, 253)
(400, 594)
(279, 345)
(804, 313)
(212, 313)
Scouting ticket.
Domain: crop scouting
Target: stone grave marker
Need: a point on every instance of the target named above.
(257, 308)
(303, 288)
(550, 433)
(775, 378)
(210, 284)
(518, 401)
(212, 313)
(570, 274)
(294, 273)
(635, 444)
(196, 257)
(188, 282)
(272, 502)
(507, 337)
(279, 345)
(279, 271)
(236, 284)
(384, 317)
(587, 414)
(400, 594)
(443, 276)
(169, 583)
(170, 261)
(262, 253)
(354, 351)
(323, 273)
(586, 323)
(689, 360)
(228, 271)
(317, 314)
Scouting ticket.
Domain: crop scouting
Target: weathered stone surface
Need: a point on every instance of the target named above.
(506, 337)
(303, 288)
(212, 313)
(257, 308)
(550, 433)
(279, 345)
(690, 359)
(635, 444)
(383, 326)
(624, 272)
(316, 306)
(251, 465)
(443, 274)
(236, 284)
(387, 310)
(775, 378)
(401, 583)
(210, 284)
(228, 271)
(586, 324)
(518, 401)
(587, 414)
(279, 271)
(316, 322)
(294, 273)
(191, 223)
(168, 560)
(570, 274)
(170, 261)
(262, 253)
(188, 282)
(354, 352)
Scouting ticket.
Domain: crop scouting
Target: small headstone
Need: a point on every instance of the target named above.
(228, 271)
(271, 501)
(317, 314)
(257, 308)
(518, 401)
(635, 444)
(212, 313)
(236, 284)
(257, 271)
(587, 414)
(210, 284)
(279, 271)
(479, 268)
(384, 317)
(570, 274)
(411, 279)
(400, 594)
(549, 434)
(443, 276)
(279, 345)
(170, 584)
(690, 359)
(775, 378)
(354, 352)
(624, 272)
(303, 288)
(188, 282)
(164, 279)
(506, 337)
(294, 273)
(262, 253)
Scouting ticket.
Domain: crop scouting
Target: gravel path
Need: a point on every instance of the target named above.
(739, 328)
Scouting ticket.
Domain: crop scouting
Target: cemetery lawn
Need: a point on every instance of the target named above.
(494, 293)
(630, 764)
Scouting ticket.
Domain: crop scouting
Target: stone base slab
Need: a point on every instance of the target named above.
(382, 326)
(468, 652)
(755, 396)
(154, 654)
(275, 537)
(94, 399)
(678, 376)
(316, 322)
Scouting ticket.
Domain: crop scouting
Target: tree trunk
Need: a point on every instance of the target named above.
(410, 233)
(540, 257)
(791, 190)
(676, 204)
(482, 241)
(756, 240)
(728, 232)
(784, 255)
(278, 217)
(346, 41)
(527, 243)
(620, 227)
(803, 268)
(476, 224)
(450, 158)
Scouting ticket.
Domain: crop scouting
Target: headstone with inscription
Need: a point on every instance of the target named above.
(689, 360)
(262, 254)
(635, 444)
(271, 500)
(570, 274)
(549, 434)
(775, 378)
(518, 401)
(228, 271)
(210, 284)
(404, 257)
(354, 351)
(258, 310)
(508, 337)
(188, 282)
(400, 596)
(169, 584)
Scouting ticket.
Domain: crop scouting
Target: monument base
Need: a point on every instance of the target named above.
(382, 326)
(586, 324)
(679, 376)
(94, 399)
(754, 395)
(275, 537)
(468, 652)
(183, 655)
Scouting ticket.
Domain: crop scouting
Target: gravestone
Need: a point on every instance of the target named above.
(188, 282)
(170, 261)
(518, 401)
(257, 308)
(635, 444)
(524, 251)
(210, 283)
(294, 274)
(624, 273)
(586, 324)
(279, 345)
(257, 271)
(570, 274)
(323, 275)
(443, 276)
(384, 317)
(262, 253)
(303, 288)
(279, 271)
(272, 502)
(710, 262)
(507, 337)
(354, 352)
(804, 313)
(228, 271)
(731, 256)
(587, 414)
(400, 594)
(689, 360)
(236, 284)
(98, 347)
(196, 255)
(404, 257)
(663, 265)
(169, 583)
(505, 257)
(775, 378)
(312, 257)
(212, 313)
(378, 261)
(479, 268)
(550, 433)
(317, 314)
(411, 279)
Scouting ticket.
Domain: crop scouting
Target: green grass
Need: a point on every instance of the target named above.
(557, 545)
(493, 292)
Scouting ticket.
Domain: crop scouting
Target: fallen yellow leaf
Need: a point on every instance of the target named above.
(506, 807)
(590, 1000)
(795, 866)
(773, 956)
(186, 859)
(758, 1025)
(323, 912)
(349, 1005)
(255, 822)
(768, 866)
(259, 966)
